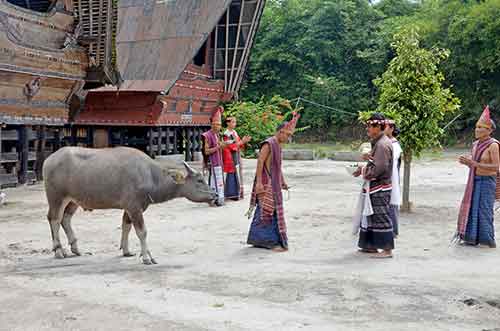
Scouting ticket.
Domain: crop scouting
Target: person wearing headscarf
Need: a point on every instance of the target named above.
(376, 234)
(212, 155)
(268, 227)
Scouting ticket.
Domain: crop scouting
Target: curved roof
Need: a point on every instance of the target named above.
(157, 39)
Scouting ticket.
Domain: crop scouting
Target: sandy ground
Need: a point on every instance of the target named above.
(208, 279)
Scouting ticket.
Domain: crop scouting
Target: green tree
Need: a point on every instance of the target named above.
(470, 30)
(258, 120)
(316, 49)
(412, 93)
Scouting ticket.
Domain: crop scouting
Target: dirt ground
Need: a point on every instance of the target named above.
(209, 279)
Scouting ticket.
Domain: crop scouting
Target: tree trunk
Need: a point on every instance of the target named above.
(406, 206)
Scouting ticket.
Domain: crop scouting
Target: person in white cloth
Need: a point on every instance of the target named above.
(392, 131)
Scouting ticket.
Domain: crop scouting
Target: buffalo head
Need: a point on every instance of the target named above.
(194, 186)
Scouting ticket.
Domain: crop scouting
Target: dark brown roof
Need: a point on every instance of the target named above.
(157, 39)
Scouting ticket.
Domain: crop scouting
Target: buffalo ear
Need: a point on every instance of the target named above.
(177, 176)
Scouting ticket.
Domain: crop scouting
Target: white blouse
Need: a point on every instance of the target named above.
(396, 181)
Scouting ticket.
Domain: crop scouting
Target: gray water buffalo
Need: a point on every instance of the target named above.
(113, 178)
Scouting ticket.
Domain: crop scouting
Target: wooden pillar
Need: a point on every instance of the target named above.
(188, 152)
(40, 151)
(122, 137)
(167, 140)
(175, 149)
(0, 141)
(151, 142)
(23, 154)
(74, 134)
(90, 136)
(57, 140)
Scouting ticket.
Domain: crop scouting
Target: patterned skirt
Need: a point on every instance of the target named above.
(378, 233)
(232, 186)
(265, 234)
(480, 228)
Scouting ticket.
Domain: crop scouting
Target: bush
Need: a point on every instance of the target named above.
(258, 120)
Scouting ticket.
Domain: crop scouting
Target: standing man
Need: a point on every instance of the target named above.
(212, 155)
(392, 132)
(268, 228)
(475, 220)
(232, 161)
(376, 232)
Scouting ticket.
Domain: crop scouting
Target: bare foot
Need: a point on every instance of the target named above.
(382, 255)
(279, 249)
(368, 251)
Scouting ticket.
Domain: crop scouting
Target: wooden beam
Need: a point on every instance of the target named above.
(151, 142)
(235, 55)
(175, 149)
(187, 152)
(73, 137)
(99, 32)
(40, 152)
(215, 48)
(244, 58)
(227, 49)
(167, 141)
(23, 155)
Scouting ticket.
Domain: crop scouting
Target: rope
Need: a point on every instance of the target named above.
(320, 105)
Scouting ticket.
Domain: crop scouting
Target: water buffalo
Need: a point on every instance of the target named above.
(113, 178)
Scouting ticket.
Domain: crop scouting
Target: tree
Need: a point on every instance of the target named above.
(412, 93)
(259, 120)
(315, 49)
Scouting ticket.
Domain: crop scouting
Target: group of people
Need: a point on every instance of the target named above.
(222, 158)
(376, 220)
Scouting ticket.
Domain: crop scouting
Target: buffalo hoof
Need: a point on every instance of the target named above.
(65, 253)
(128, 254)
(147, 261)
(153, 261)
(76, 251)
(58, 254)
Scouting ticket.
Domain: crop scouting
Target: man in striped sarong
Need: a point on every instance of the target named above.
(475, 220)
(376, 234)
(268, 227)
(212, 155)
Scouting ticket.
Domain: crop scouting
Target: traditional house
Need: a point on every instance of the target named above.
(105, 73)
(49, 52)
(179, 59)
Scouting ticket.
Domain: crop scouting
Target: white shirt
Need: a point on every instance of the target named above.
(396, 190)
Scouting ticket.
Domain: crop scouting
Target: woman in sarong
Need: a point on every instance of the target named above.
(392, 132)
(232, 161)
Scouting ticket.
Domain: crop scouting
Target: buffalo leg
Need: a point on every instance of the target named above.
(54, 217)
(140, 230)
(69, 211)
(126, 226)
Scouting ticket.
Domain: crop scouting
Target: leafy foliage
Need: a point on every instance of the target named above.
(259, 120)
(412, 94)
(331, 51)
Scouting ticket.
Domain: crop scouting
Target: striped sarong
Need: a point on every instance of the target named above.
(378, 232)
(480, 228)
